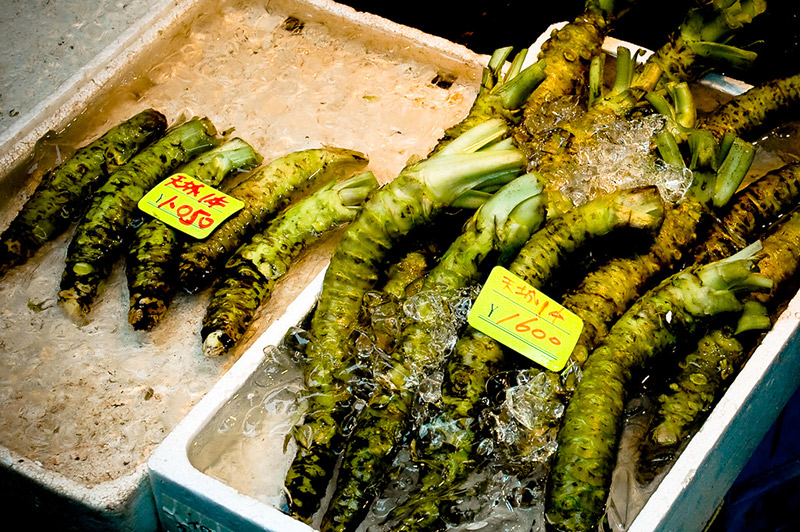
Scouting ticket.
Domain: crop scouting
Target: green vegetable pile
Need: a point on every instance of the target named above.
(626, 260)
(288, 203)
(399, 389)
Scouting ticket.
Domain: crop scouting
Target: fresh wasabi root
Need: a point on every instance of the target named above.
(686, 53)
(567, 56)
(383, 308)
(446, 445)
(251, 274)
(672, 311)
(106, 227)
(266, 192)
(415, 197)
(759, 204)
(607, 291)
(706, 372)
(447, 460)
(499, 226)
(402, 275)
(152, 258)
(638, 208)
(702, 36)
(752, 109)
(66, 190)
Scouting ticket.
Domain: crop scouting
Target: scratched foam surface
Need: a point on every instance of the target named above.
(44, 43)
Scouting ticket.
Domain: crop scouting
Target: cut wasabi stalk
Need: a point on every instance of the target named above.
(250, 275)
(501, 95)
(106, 227)
(404, 273)
(152, 258)
(66, 190)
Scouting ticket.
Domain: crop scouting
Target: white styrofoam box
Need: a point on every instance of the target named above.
(45, 498)
(685, 500)
(111, 83)
(689, 494)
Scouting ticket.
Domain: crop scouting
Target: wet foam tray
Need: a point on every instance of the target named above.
(84, 407)
(223, 467)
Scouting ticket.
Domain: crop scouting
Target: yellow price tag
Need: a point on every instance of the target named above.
(518, 316)
(188, 205)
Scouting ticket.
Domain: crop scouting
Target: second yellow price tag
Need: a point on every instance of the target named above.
(518, 316)
(183, 202)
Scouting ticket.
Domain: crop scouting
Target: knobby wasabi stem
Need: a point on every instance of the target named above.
(754, 107)
(702, 35)
(568, 53)
(105, 228)
(500, 226)
(65, 190)
(707, 371)
(639, 208)
(152, 258)
(757, 205)
(606, 292)
(446, 447)
(703, 374)
(414, 198)
(267, 191)
(251, 274)
(384, 307)
(670, 312)
(404, 273)
(676, 61)
(567, 56)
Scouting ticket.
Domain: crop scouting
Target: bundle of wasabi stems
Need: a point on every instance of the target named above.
(687, 284)
(407, 422)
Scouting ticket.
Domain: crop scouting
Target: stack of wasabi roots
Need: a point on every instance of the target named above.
(404, 419)
(289, 203)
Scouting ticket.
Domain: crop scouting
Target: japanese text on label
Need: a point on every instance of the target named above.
(517, 315)
(189, 205)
